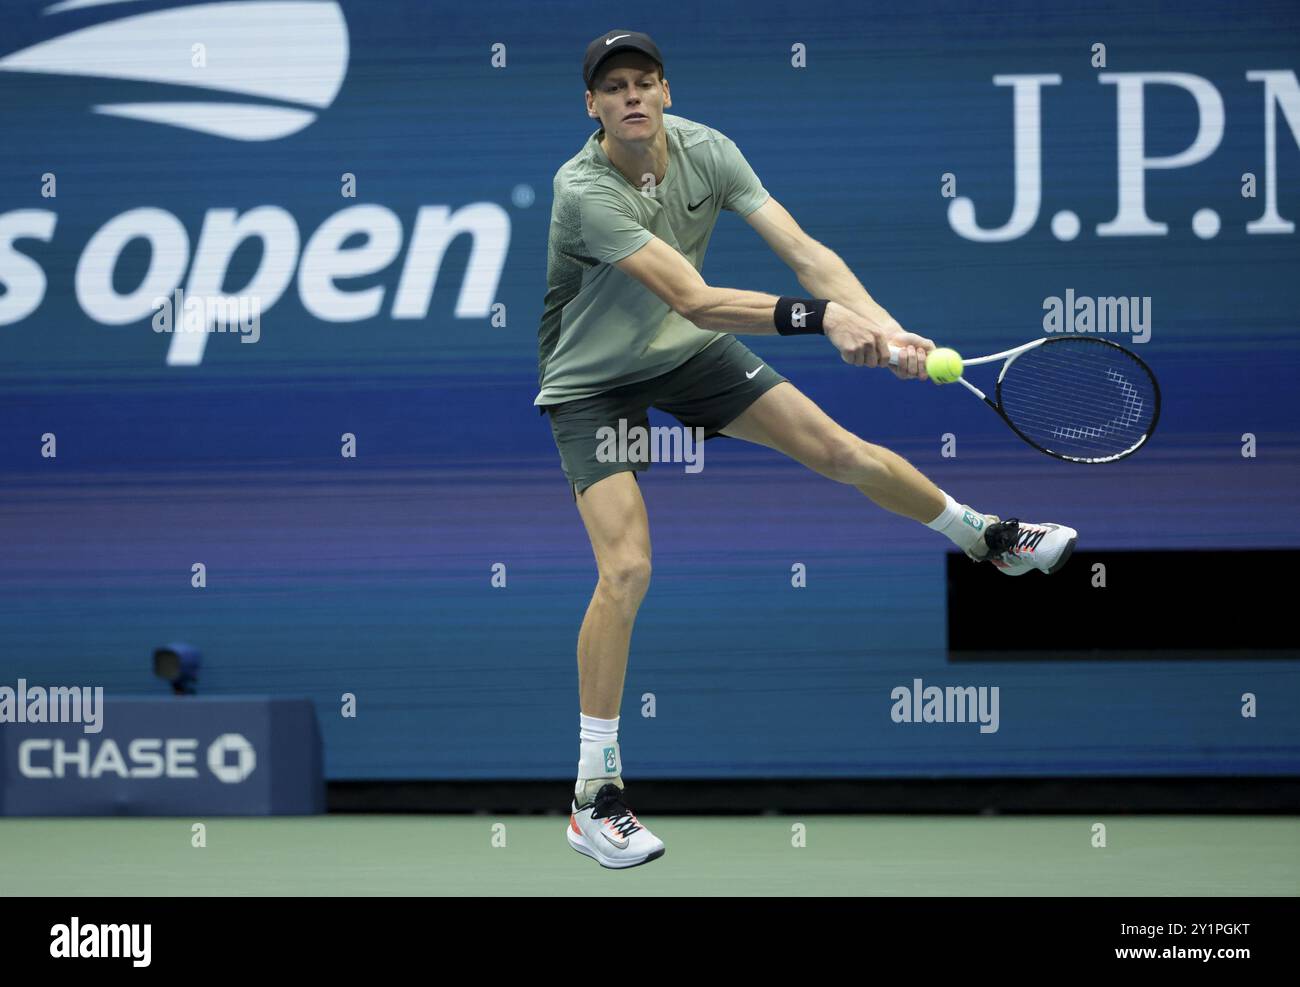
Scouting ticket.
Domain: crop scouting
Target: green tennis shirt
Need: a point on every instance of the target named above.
(600, 327)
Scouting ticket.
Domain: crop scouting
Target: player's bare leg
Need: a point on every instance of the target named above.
(601, 825)
(615, 517)
(788, 421)
(785, 419)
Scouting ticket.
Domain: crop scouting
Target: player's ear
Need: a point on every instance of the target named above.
(668, 98)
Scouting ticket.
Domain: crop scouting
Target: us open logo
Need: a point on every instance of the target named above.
(245, 49)
(274, 67)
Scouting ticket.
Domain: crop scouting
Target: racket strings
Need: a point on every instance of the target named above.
(1080, 399)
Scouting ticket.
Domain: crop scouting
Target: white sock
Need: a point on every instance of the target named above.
(594, 728)
(599, 761)
(962, 524)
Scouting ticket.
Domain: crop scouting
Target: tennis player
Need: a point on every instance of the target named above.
(629, 324)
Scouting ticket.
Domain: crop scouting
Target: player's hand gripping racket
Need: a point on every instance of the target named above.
(1076, 398)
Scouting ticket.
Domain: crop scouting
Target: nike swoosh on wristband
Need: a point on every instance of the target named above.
(610, 41)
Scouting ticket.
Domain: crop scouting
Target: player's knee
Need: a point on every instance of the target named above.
(626, 577)
(848, 459)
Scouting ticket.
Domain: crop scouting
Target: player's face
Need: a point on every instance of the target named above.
(629, 97)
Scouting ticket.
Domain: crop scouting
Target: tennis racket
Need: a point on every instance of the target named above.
(1076, 398)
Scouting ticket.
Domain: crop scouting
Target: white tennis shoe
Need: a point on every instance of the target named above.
(606, 830)
(1016, 547)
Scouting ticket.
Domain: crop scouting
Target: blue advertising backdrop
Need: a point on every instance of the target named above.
(148, 146)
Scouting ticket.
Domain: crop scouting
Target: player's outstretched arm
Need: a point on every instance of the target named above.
(670, 276)
(823, 273)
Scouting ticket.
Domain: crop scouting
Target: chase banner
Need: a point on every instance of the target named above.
(167, 757)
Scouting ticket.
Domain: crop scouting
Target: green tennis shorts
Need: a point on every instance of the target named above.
(709, 391)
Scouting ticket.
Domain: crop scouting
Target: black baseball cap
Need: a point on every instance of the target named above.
(614, 41)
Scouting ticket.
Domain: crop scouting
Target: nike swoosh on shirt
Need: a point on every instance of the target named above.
(751, 374)
(610, 41)
(690, 208)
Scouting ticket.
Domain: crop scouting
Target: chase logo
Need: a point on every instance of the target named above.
(293, 53)
(231, 745)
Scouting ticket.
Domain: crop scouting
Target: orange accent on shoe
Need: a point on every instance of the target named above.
(574, 823)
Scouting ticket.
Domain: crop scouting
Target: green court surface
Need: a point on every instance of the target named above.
(751, 855)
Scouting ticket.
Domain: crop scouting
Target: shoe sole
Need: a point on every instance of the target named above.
(580, 844)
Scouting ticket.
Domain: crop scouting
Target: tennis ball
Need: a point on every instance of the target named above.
(943, 365)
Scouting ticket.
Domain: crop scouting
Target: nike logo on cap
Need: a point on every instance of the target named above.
(610, 41)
